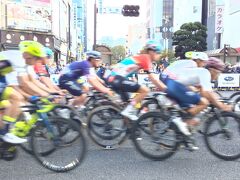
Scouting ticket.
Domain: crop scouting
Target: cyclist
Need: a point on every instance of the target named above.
(41, 69)
(32, 52)
(70, 75)
(10, 106)
(119, 82)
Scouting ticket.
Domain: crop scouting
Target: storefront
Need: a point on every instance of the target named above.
(9, 39)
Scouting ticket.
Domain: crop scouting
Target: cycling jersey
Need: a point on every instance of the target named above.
(177, 77)
(132, 65)
(187, 73)
(3, 84)
(179, 66)
(41, 70)
(71, 74)
(77, 69)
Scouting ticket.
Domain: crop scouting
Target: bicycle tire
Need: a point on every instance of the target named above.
(234, 94)
(73, 163)
(207, 136)
(105, 140)
(136, 132)
(26, 146)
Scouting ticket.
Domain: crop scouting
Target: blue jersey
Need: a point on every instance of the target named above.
(3, 83)
(77, 69)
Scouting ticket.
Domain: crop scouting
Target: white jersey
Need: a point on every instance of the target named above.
(19, 66)
(178, 67)
(187, 73)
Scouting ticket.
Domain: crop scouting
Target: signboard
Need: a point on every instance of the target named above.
(144, 80)
(55, 78)
(228, 80)
(28, 17)
(111, 10)
(219, 19)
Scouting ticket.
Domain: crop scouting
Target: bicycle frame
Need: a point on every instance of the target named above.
(38, 113)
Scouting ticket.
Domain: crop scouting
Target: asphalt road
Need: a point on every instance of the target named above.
(125, 163)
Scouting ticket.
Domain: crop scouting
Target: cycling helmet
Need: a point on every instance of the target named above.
(32, 47)
(94, 54)
(153, 45)
(5, 65)
(215, 63)
(200, 55)
(48, 52)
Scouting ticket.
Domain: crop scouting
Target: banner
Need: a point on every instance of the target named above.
(55, 78)
(219, 19)
(228, 80)
(144, 80)
(28, 17)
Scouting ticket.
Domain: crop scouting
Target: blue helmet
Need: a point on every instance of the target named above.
(94, 54)
(48, 52)
(153, 45)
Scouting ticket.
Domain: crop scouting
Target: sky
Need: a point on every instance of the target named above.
(115, 25)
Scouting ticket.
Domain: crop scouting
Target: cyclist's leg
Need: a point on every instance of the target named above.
(15, 99)
(4, 126)
(122, 84)
(73, 87)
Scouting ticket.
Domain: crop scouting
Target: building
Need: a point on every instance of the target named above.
(154, 20)
(230, 29)
(136, 38)
(45, 21)
(166, 16)
(79, 23)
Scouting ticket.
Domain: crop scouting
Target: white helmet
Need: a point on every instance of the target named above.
(200, 55)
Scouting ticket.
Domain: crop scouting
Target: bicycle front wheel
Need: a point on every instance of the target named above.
(222, 136)
(69, 148)
(154, 136)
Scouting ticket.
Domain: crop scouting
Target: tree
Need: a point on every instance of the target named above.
(118, 53)
(190, 37)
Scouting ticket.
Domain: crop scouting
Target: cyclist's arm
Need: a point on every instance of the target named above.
(100, 80)
(98, 85)
(40, 85)
(159, 84)
(47, 81)
(212, 97)
(25, 94)
(29, 87)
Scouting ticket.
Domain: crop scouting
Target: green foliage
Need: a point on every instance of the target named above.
(190, 37)
(170, 55)
(118, 53)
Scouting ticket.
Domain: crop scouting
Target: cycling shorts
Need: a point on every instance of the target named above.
(71, 85)
(122, 86)
(181, 94)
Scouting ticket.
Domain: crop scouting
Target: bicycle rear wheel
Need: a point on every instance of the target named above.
(69, 148)
(154, 137)
(222, 137)
(106, 126)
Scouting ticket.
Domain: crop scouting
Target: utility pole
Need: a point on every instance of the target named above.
(95, 26)
(204, 12)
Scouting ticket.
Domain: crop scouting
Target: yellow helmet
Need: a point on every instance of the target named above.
(32, 47)
(189, 54)
(5, 65)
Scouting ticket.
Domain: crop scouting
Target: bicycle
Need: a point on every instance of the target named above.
(61, 133)
(164, 136)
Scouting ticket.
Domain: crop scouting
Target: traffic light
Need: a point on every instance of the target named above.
(226, 49)
(130, 10)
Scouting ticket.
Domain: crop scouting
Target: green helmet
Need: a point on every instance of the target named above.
(32, 47)
(5, 65)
